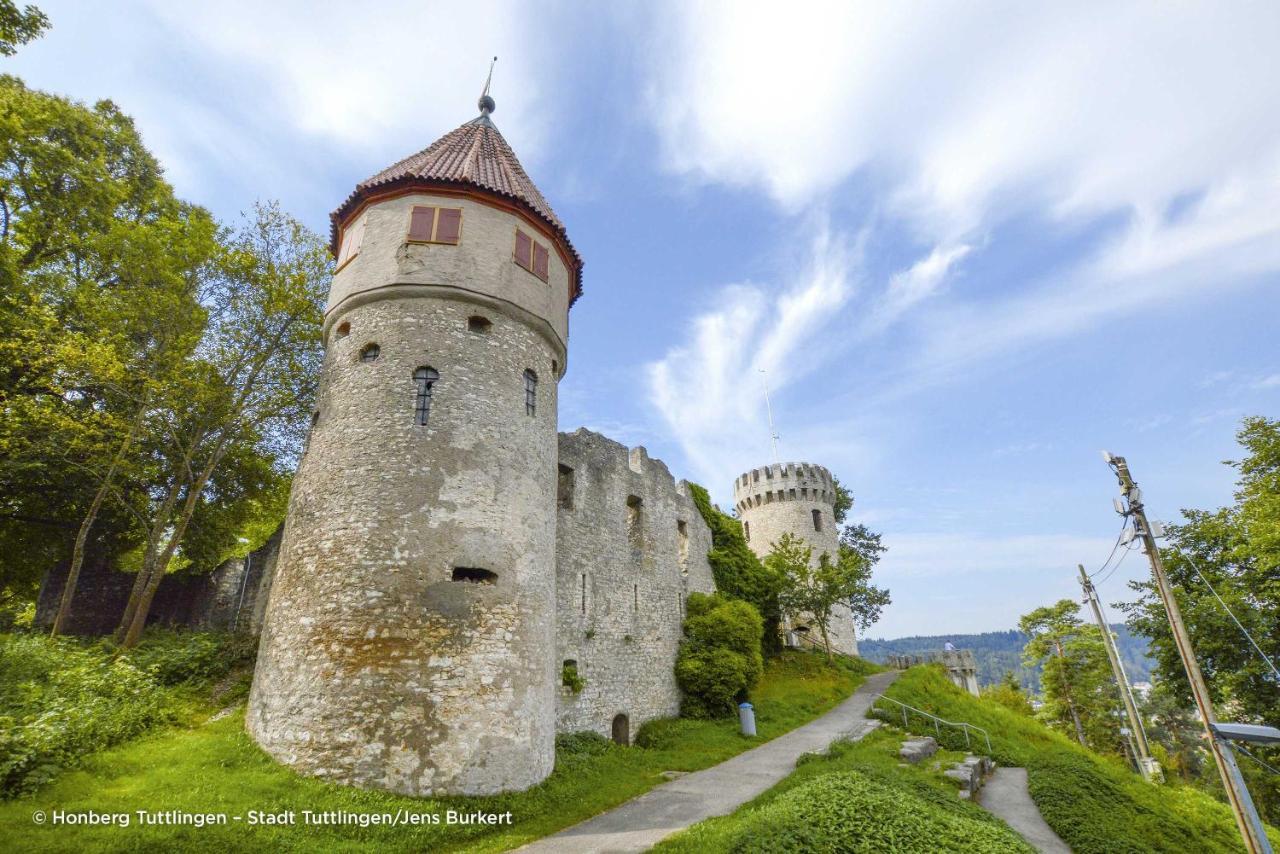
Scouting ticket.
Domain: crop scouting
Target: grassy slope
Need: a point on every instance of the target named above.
(216, 768)
(1095, 804)
(857, 799)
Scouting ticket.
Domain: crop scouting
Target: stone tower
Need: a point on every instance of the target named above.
(795, 498)
(409, 640)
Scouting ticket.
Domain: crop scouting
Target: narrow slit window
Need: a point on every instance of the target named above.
(635, 597)
(584, 593)
(564, 488)
(746, 531)
(530, 392)
(682, 545)
(817, 520)
(425, 379)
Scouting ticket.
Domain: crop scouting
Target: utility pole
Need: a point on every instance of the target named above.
(773, 434)
(1247, 819)
(1146, 766)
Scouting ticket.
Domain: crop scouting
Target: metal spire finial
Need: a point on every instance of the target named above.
(486, 103)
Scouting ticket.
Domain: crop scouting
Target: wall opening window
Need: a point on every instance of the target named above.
(532, 255)
(369, 352)
(530, 392)
(584, 593)
(817, 520)
(479, 324)
(434, 225)
(682, 545)
(352, 237)
(746, 530)
(755, 476)
(425, 379)
(344, 329)
(564, 488)
(635, 521)
(474, 575)
(555, 368)
(635, 597)
(569, 676)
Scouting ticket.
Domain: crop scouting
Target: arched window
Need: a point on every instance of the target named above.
(530, 392)
(369, 352)
(425, 379)
(817, 520)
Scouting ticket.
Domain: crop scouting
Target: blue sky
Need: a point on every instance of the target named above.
(972, 244)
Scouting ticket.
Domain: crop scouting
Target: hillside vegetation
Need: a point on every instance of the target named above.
(998, 653)
(1095, 804)
(202, 765)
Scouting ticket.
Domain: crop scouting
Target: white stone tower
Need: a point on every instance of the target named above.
(409, 640)
(795, 498)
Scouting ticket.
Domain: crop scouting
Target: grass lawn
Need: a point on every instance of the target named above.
(857, 798)
(216, 768)
(1095, 803)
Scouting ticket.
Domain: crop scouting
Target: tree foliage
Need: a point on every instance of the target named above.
(1237, 550)
(19, 26)
(738, 573)
(1079, 693)
(719, 659)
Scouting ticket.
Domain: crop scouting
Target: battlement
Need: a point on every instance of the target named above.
(783, 482)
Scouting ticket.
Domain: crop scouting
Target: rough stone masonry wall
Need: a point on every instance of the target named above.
(377, 668)
(623, 573)
(782, 498)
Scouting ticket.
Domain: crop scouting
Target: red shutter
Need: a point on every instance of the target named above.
(420, 224)
(448, 225)
(540, 261)
(524, 250)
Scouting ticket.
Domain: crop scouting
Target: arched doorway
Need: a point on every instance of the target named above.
(621, 730)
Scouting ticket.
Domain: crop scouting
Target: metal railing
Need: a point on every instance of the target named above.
(936, 721)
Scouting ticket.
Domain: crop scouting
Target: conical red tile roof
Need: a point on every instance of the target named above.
(473, 155)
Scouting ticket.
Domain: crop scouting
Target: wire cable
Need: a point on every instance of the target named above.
(1239, 625)
(1114, 568)
(1238, 746)
(1124, 523)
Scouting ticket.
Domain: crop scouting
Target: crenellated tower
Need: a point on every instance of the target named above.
(406, 644)
(799, 499)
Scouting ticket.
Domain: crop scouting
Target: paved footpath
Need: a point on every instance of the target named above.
(643, 822)
(1006, 795)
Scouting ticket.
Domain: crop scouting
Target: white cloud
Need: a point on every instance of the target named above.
(710, 390)
(1155, 122)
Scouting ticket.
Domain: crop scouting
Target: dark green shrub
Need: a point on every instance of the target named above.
(178, 657)
(570, 678)
(738, 573)
(856, 812)
(719, 659)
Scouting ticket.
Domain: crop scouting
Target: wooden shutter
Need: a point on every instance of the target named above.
(351, 241)
(448, 225)
(540, 261)
(524, 250)
(420, 222)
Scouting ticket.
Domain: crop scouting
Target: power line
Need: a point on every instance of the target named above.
(1117, 566)
(1240, 625)
(1124, 523)
(1246, 752)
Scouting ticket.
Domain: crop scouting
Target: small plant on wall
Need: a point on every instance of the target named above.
(570, 678)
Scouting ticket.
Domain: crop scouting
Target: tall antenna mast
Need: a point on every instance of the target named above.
(773, 434)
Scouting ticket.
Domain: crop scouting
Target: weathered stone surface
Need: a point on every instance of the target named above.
(630, 547)
(918, 749)
(376, 667)
(779, 499)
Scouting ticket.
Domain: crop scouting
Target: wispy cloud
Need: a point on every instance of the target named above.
(709, 388)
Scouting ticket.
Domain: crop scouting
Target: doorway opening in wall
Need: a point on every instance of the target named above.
(621, 730)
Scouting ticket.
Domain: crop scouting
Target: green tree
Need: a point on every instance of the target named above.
(1237, 550)
(250, 388)
(19, 26)
(99, 265)
(719, 660)
(1008, 693)
(843, 502)
(1076, 676)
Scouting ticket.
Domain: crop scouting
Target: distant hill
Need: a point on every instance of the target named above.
(998, 652)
